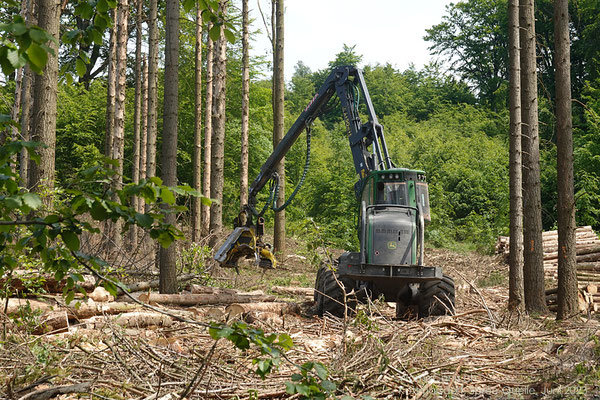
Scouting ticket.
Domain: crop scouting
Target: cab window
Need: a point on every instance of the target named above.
(422, 193)
(391, 193)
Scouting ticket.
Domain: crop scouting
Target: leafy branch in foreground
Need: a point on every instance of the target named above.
(52, 233)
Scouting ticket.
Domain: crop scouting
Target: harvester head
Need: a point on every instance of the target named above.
(243, 243)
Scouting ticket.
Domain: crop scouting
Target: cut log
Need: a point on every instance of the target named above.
(277, 308)
(18, 306)
(130, 320)
(140, 286)
(206, 299)
(199, 289)
(293, 291)
(591, 289)
(22, 282)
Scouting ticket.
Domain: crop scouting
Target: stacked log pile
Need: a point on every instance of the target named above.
(588, 264)
(99, 308)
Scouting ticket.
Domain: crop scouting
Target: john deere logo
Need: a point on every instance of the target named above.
(392, 245)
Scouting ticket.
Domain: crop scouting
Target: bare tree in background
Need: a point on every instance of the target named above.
(278, 113)
(168, 256)
(245, 106)
(118, 140)
(26, 100)
(111, 87)
(516, 299)
(205, 214)
(218, 136)
(197, 156)
(137, 112)
(567, 266)
(152, 88)
(533, 267)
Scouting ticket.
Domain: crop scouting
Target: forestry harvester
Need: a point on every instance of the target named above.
(393, 204)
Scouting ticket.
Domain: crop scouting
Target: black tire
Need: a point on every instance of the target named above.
(437, 298)
(329, 293)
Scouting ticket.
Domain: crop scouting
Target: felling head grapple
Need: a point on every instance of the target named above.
(246, 242)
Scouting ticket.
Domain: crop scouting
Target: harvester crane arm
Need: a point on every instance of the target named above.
(367, 143)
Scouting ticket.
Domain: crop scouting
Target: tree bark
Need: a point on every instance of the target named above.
(168, 256)
(26, 97)
(533, 268)
(45, 90)
(516, 299)
(567, 266)
(245, 107)
(144, 127)
(111, 87)
(197, 157)
(118, 142)
(137, 113)
(218, 139)
(205, 214)
(278, 113)
(152, 88)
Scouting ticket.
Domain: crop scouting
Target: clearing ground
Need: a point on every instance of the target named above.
(481, 352)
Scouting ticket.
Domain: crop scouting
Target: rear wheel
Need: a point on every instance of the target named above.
(437, 298)
(330, 292)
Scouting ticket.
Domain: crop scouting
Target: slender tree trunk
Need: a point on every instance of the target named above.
(27, 98)
(567, 266)
(45, 90)
(118, 142)
(16, 109)
(111, 86)
(205, 221)
(197, 158)
(137, 113)
(168, 256)
(245, 106)
(278, 113)
(218, 139)
(516, 299)
(533, 268)
(152, 88)
(144, 127)
(25, 122)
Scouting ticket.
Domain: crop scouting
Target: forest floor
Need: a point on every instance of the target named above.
(481, 352)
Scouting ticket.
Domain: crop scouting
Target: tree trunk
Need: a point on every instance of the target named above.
(278, 112)
(218, 139)
(567, 267)
(26, 98)
(45, 89)
(515, 291)
(25, 124)
(152, 100)
(533, 268)
(152, 88)
(205, 220)
(111, 87)
(118, 142)
(197, 157)
(168, 256)
(245, 107)
(137, 113)
(144, 127)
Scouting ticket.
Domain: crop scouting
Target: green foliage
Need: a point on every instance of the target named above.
(21, 44)
(192, 259)
(311, 381)
(51, 232)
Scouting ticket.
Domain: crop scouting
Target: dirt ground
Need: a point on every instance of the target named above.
(482, 352)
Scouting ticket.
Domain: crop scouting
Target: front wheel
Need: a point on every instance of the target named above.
(437, 298)
(333, 293)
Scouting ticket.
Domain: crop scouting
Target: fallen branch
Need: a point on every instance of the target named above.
(44, 394)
